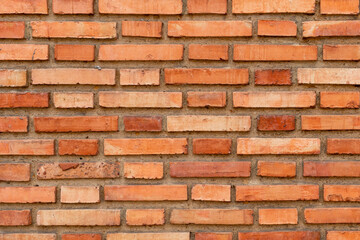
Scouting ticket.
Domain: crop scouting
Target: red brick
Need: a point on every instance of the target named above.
(143, 170)
(298, 235)
(207, 6)
(13, 124)
(81, 237)
(206, 99)
(206, 76)
(342, 193)
(15, 172)
(28, 147)
(24, 100)
(27, 194)
(209, 169)
(76, 124)
(145, 217)
(331, 169)
(338, 76)
(73, 99)
(24, 7)
(273, 77)
(76, 194)
(339, 99)
(141, 29)
(146, 193)
(158, 7)
(343, 146)
(206, 192)
(332, 215)
(26, 236)
(209, 28)
(275, 52)
(24, 52)
(15, 217)
(68, 29)
(212, 146)
(12, 30)
(273, 6)
(342, 235)
(330, 122)
(68, 52)
(278, 216)
(212, 216)
(246, 193)
(279, 28)
(276, 169)
(339, 7)
(12, 78)
(213, 236)
(208, 52)
(142, 124)
(149, 236)
(134, 77)
(331, 28)
(73, 6)
(341, 52)
(276, 123)
(141, 52)
(78, 147)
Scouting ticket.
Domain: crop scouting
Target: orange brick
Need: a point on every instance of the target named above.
(134, 77)
(24, 7)
(208, 52)
(246, 193)
(341, 52)
(212, 216)
(146, 193)
(212, 146)
(332, 215)
(68, 29)
(76, 194)
(273, 77)
(330, 122)
(338, 76)
(209, 28)
(331, 169)
(145, 146)
(27, 194)
(206, 192)
(339, 6)
(73, 99)
(13, 124)
(213, 236)
(251, 146)
(141, 29)
(28, 147)
(24, 52)
(158, 7)
(294, 235)
(206, 76)
(15, 218)
(140, 99)
(342, 235)
(12, 78)
(81, 237)
(343, 146)
(275, 52)
(145, 217)
(73, 6)
(12, 30)
(279, 28)
(25, 236)
(276, 169)
(278, 216)
(141, 52)
(342, 193)
(273, 6)
(72, 76)
(331, 28)
(78, 147)
(339, 99)
(276, 123)
(143, 170)
(207, 6)
(149, 236)
(206, 99)
(15, 172)
(69, 52)
(143, 124)
(24, 100)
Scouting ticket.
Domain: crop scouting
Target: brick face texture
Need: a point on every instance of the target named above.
(179, 120)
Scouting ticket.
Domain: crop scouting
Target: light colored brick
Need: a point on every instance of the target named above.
(80, 194)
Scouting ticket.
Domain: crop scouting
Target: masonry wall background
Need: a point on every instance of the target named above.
(170, 119)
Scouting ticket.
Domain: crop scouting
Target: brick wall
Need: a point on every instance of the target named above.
(171, 119)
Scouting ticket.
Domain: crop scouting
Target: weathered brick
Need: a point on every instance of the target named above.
(213, 236)
(206, 99)
(24, 100)
(80, 194)
(278, 216)
(276, 123)
(342, 193)
(338, 76)
(142, 124)
(11, 30)
(331, 169)
(67, 52)
(341, 52)
(339, 99)
(149, 236)
(330, 122)
(339, 7)
(294, 235)
(15, 172)
(342, 235)
(276, 169)
(141, 29)
(279, 28)
(73, 6)
(27, 194)
(81, 236)
(13, 124)
(27, 236)
(331, 28)
(15, 217)
(24, 52)
(12, 78)
(207, 6)
(28, 147)
(273, 6)
(208, 52)
(332, 215)
(343, 146)
(24, 7)
(206, 192)
(143, 170)
(134, 77)
(273, 77)
(73, 99)
(145, 217)
(159, 7)
(79, 147)
(212, 146)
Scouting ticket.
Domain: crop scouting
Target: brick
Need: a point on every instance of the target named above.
(28, 147)
(68, 29)
(24, 52)
(78, 147)
(331, 169)
(342, 193)
(206, 76)
(142, 124)
(149, 236)
(12, 30)
(216, 193)
(140, 99)
(145, 217)
(273, 77)
(141, 29)
(67, 52)
(330, 122)
(200, 123)
(206, 99)
(246, 193)
(213, 236)
(338, 76)
(15, 172)
(212, 216)
(27, 194)
(294, 235)
(145, 146)
(271, 6)
(250, 146)
(15, 217)
(26, 236)
(339, 99)
(331, 29)
(207, 6)
(143, 170)
(278, 28)
(275, 52)
(135, 77)
(209, 169)
(145, 193)
(24, 7)
(141, 52)
(81, 237)
(73, 99)
(212, 146)
(24, 100)
(80, 194)
(12, 78)
(76, 124)
(276, 123)
(209, 28)
(208, 52)
(276, 169)
(13, 124)
(332, 215)
(342, 235)
(341, 52)
(278, 216)
(343, 146)
(72, 76)
(78, 217)
(158, 7)
(73, 6)
(339, 7)
(78, 170)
